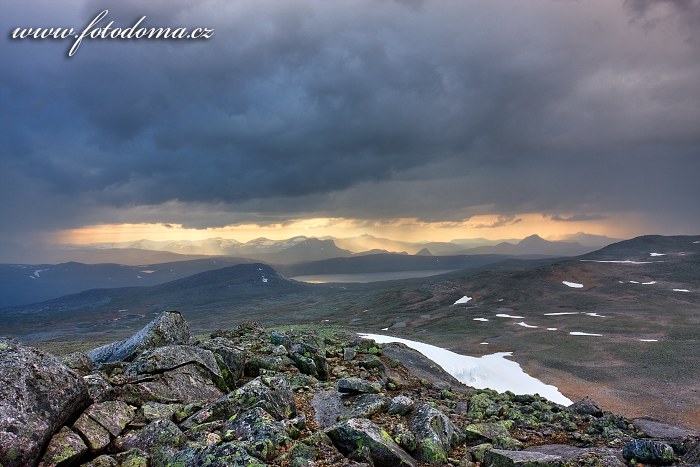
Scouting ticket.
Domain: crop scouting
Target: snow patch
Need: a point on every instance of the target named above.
(385, 329)
(577, 333)
(38, 272)
(627, 261)
(648, 340)
(462, 300)
(503, 315)
(481, 319)
(681, 290)
(649, 283)
(147, 271)
(574, 285)
(264, 279)
(595, 315)
(657, 254)
(561, 313)
(525, 325)
(490, 371)
(634, 282)
(552, 329)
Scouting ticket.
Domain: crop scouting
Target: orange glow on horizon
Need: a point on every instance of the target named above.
(491, 227)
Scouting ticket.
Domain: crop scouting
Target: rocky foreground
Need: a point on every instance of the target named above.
(247, 397)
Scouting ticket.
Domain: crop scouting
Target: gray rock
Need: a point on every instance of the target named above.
(171, 357)
(155, 438)
(231, 454)
(434, 432)
(98, 387)
(400, 405)
(660, 430)
(112, 415)
(95, 435)
(167, 329)
(263, 436)
(156, 411)
(356, 433)
(65, 448)
(38, 394)
(487, 431)
(78, 362)
(102, 461)
(272, 394)
(182, 385)
(363, 405)
(501, 458)
(349, 354)
(230, 357)
(647, 450)
(354, 385)
(586, 406)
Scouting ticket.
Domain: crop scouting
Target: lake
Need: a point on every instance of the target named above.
(368, 276)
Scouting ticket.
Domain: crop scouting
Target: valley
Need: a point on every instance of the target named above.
(616, 324)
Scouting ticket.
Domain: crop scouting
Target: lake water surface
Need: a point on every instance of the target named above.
(368, 276)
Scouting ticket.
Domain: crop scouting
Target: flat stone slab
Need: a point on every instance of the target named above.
(502, 458)
(660, 430)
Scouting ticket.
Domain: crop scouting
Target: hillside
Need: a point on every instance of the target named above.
(619, 324)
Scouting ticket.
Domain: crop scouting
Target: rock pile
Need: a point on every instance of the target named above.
(247, 397)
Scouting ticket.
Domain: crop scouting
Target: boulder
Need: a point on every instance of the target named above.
(230, 358)
(112, 415)
(502, 458)
(182, 385)
(38, 394)
(264, 437)
(230, 454)
(272, 394)
(586, 406)
(65, 448)
(78, 362)
(400, 405)
(487, 431)
(95, 435)
(353, 385)
(648, 451)
(362, 434)
(171, 357)
(167, 329)
(155, 438)
(434, 432)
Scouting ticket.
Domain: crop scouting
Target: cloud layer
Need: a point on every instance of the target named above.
(437, 110)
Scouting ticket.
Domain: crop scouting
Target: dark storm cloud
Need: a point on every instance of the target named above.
(436, 110)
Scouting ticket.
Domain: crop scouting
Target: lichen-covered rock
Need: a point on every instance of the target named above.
(65, 448)
(354, 385)
(98, 387)
(487, 431)
(38, 394)
(502, 458)
(586, 406)
(170, 357)
(112, 415)
(230, 454)
(156, 438)
(363, 406)
(435, 433)
(360, 433)
(272, 394)
(479, 405)
(170, 328)
(264, 436)
(156, 411)
(102, 461)
(78, 362)
(230, 358)
(647, 450)
(182, 385)
(132, 458)
(95, 435)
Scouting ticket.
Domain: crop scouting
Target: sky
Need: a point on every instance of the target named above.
(412, 119)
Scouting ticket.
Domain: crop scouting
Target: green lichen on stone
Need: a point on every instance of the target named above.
(432, 451)
(3, 346)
